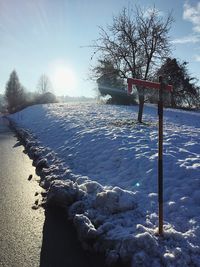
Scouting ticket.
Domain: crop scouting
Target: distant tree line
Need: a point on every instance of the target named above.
(17, 98)
(136, 45)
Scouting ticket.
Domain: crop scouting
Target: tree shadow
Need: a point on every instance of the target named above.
(60, 245)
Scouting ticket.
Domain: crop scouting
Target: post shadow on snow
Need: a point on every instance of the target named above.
(60, 245)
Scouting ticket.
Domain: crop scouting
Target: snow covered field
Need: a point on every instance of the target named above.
(103, 168)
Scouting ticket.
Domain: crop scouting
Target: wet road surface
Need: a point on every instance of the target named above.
(28, 237)
(20, 226)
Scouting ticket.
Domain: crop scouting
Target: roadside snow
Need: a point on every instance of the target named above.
(103, 168)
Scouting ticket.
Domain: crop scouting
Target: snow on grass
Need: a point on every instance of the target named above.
(102, 167)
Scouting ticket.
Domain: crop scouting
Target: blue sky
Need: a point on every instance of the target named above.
(49, 36)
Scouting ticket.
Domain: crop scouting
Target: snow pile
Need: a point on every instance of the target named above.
(102, 168)
(115, 200)
(62, 193)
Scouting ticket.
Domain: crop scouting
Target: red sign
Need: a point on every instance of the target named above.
(146, 84)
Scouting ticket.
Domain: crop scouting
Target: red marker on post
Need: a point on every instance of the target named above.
(161, 87)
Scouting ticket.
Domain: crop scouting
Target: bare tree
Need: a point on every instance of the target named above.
(135, 43)
(44, 84)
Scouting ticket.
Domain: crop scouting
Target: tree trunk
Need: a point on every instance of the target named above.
(141, 107)
(173, 105)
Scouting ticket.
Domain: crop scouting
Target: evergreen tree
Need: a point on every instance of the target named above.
(108, 75)
(14, 93)
(185, 92)
(110, 83)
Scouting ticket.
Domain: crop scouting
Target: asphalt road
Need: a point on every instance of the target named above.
(21, 227)
(28, 237)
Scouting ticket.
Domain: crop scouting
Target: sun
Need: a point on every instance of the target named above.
(63, 79)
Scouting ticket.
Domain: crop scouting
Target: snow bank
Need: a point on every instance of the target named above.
(103, 169)
(115, 200)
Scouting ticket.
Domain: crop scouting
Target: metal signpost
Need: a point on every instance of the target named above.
(161, 86)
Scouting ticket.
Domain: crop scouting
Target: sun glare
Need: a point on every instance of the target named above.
(63, 79)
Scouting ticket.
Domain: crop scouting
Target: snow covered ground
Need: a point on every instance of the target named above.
(102, 167)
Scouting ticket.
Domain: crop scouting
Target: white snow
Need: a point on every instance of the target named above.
(102, 167)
